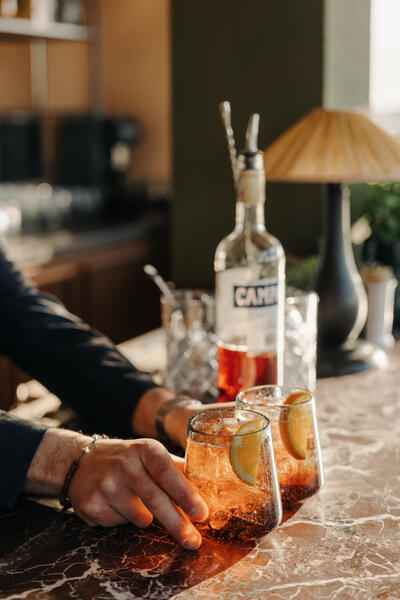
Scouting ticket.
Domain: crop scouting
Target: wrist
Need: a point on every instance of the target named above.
(144, 417)
(64, 498)
(53, 458)
(158, 405)
(176, 420)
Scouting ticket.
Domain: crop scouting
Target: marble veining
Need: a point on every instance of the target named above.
(57, 556)
(343, 543)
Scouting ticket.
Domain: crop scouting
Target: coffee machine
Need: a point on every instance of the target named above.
(20, 147)
(95, 150)
(74, 180)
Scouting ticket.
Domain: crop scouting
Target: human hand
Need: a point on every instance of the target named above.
(176, 421)
(121, 481)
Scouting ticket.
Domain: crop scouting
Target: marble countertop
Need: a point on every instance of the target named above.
(344, 543)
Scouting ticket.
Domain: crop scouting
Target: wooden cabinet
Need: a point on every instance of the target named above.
(106, 287)
(118, 298)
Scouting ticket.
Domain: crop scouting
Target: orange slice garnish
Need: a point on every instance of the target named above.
(296, 425)
(244, 451)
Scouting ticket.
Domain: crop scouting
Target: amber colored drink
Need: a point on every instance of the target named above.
(300, 487)
(238, 510)
(296, 441)
(239, 370)
(242, 528)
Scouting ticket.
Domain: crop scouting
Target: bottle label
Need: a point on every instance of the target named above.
(247, 310)
(256, 295)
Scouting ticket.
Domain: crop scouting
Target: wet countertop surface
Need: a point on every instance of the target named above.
(343, 543)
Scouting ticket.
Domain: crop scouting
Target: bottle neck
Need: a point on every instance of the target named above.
(250, 216)
(250, 201)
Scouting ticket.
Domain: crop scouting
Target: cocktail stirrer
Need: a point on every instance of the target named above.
(160, 282)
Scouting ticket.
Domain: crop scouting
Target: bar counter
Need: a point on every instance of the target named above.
(342, 544)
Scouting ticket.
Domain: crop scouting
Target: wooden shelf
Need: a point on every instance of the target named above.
(26, 28)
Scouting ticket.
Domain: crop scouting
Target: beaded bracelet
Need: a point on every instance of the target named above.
(65, 500)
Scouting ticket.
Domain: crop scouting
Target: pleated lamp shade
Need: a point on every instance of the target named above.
(333, 147)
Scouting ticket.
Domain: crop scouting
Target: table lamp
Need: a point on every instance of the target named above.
(337, 148)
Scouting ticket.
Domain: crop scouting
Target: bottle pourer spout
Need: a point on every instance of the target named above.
(252, 133)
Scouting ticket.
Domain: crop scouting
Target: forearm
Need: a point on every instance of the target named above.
(78, 365)
(81, 367)
(50, 464)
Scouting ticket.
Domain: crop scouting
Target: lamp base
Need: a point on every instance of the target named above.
(342, 360)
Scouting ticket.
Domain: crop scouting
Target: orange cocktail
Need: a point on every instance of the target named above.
(230, 460)
(295, 438)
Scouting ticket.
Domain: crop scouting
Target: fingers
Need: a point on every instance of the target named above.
(131, 481)
(115, 493)
(178, 462)
(95, 511)
(131, 508)
(159, 464)
(112, 504)
(156, 482)
(160, 505)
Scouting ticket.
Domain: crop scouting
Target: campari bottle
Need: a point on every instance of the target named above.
(250, 285)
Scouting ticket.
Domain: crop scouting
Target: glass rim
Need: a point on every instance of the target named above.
(192, 429)
(285, 388)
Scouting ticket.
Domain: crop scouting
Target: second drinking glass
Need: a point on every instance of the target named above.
(294, 435)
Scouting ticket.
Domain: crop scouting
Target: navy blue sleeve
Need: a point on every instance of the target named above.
(79, 365)
(19, 441)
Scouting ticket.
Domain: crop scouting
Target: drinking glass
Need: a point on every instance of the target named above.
(300, 354)
(295, 438)
(189, 324)
(230, 460)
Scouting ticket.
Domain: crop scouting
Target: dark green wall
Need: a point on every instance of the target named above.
(264, 56)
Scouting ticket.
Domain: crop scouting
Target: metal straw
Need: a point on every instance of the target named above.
(225, 111)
